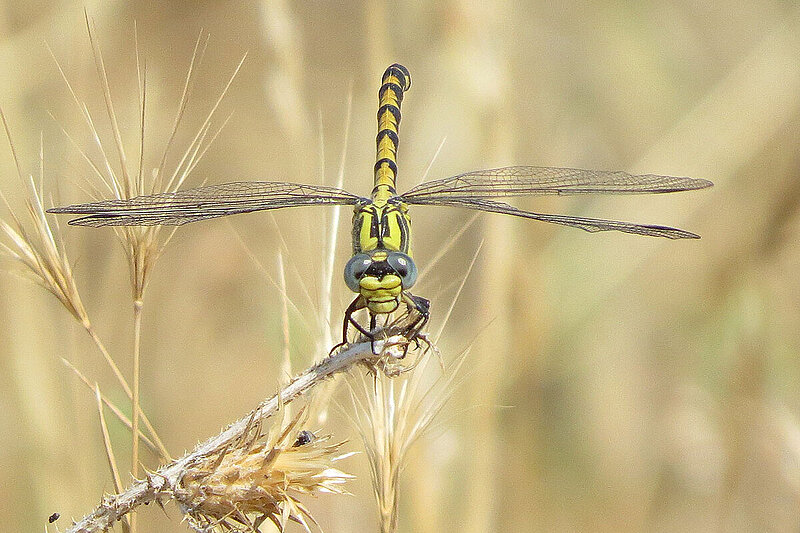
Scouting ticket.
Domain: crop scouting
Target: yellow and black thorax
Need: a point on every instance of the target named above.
(386, 227)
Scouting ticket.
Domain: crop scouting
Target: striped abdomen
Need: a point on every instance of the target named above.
(395, 81)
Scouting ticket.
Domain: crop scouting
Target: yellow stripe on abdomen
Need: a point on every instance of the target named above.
(394, 82)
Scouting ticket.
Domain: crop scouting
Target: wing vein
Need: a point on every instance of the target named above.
(540, 181)
(584, 223)
(211, 201)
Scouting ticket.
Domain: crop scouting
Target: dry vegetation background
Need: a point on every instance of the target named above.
(616, 383)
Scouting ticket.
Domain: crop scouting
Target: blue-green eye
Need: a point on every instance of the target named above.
(354, 270)
(405, 268)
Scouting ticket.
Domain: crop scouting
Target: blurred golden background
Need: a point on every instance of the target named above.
(616, 383)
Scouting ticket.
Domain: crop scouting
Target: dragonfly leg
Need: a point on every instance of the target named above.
(418, 313)
(373, 323)
(355, 306)
(421, 307)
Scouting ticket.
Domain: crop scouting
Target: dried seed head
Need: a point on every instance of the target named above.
(250, 482)
(116, 172)
(392, 411)
(34, 245)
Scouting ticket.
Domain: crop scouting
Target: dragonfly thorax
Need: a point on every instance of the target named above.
(381, 227)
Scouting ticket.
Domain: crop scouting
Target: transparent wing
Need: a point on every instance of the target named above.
(586, 224)
(190, 205)
(539, 181)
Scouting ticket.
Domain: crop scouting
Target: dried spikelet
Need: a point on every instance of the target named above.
(142, 245)
(36, 247)
(391, 413)
(260, 478)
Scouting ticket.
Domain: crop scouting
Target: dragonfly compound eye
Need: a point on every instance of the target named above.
(404, 266)
(355, 269)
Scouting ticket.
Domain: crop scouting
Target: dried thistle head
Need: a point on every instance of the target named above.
(35, 246)
(260, 478)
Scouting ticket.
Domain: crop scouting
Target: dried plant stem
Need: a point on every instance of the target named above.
(162, 450)
(114, 409)
(333, 229)
(112, 461)
(160, 484)
(137, 336)
(107, 356)
(286, 356)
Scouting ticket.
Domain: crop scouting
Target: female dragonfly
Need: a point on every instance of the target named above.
(381, 270)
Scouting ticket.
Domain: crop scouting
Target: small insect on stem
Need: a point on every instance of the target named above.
(303, 438)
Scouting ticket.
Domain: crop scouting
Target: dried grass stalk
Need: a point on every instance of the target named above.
(38, 247)
(142, 245)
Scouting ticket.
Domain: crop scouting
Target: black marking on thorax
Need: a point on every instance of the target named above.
(380, 227)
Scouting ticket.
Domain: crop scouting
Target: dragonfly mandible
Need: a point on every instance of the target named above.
(381, 270)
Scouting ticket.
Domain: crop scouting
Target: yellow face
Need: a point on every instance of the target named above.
(382, 295)
(380, 277)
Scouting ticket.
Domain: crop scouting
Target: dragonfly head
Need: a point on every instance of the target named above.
(380, 276)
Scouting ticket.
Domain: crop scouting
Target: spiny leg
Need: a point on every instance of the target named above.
(355, 306)
(416, 306)
(373, 324)
(421, 307)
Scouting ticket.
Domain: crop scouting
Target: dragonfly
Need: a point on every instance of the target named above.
(381, 270)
